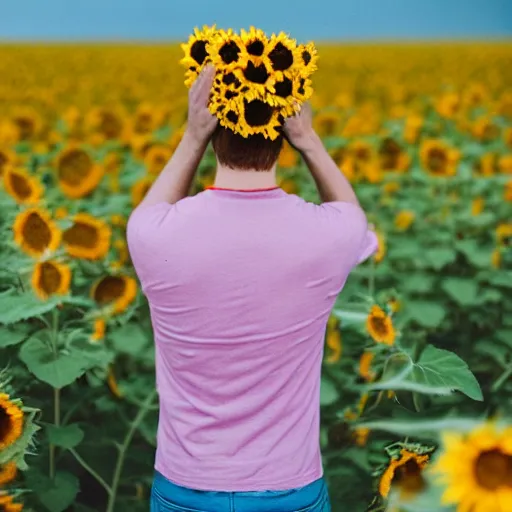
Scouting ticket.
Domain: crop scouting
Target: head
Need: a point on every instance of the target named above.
(251, 153)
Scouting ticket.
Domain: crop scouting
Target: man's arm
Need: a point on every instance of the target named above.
(330, 181)
(175, 180)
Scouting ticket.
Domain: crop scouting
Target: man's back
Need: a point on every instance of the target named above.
(240, 286)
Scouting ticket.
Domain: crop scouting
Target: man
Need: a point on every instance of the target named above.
(241, 279)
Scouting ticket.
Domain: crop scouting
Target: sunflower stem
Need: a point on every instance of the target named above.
(501, 379)
(146, 406)
(91, 471)
(56, 391)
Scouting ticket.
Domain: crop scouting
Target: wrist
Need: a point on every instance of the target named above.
(308, 142)
(194, 138)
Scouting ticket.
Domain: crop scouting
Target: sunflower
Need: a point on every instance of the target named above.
(77, 174)
(289, 186)
(140, 189)
(106, 121)
(226, 51)
(100, 327)
(438, 158)
(380, 326)
(308, 59)
(404, 220)
(448, 105)
(477, 206)
(116, 292)
(61, 212)
(11, 421)
(504, 233)
(486, 165)
(505, 164)
(51, 278)
(327, 123)
(477, 469)
(146, 119)
(507, 137)
(35, 232)
(156, 157)
(391, 187)
(285, 56)
(8, 505)
(405, 473)
(7, 472)
(392, 157)
(485, 130)
(196, 54)
(381, 250)
(23, 187)
(29, 123)
(333, 341)
(255, 44)
(365, 363)
(475, 94)
(496, 258)
(88, 237)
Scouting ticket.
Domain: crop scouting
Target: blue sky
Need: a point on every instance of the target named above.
(311, 19)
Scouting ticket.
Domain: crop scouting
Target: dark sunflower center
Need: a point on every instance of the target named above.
(437, 160)
(379, 325)
(5, 424)
(306, 57)
(390, 154)
(74, 167)
(232, 116)
(230, 94)
(229, 52)
(230, 78)
(256, 48)
(198, 51)
(284, 88)
(109, 289)
(36, 232)
(409, 477)
(82, 235)
(281, 57)
(257, 113)
(143, 122)
(21, 186)
(26, 127)
(301, 89)
(493, 469)
(3, 159)
(362, 153)
(110, 125)
(256, 74)
(50, 278)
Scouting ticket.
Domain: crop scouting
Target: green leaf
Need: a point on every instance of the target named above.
(474, 252)
(129, 339)
(437, 372)
(462, 291)
(426, 314)
(440, 257)
(503, 278)
(417, 283)
(328, 392)
(13, 335)
(14, 308)
(58, 370)
(57, 494)
(67, 436)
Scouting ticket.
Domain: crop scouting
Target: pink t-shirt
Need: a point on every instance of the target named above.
(240, 286)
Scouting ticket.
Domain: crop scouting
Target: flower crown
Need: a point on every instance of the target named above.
(259, 80)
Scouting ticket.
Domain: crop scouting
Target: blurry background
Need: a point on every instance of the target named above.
(414, 102)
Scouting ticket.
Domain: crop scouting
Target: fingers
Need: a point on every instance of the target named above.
(201, 88)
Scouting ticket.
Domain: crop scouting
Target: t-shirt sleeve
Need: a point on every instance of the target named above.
(349, 225)
(143, 234)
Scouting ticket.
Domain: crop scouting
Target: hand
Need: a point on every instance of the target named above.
(298, 129)
(200, 122)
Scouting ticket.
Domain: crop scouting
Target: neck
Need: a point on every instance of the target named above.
(244, 179)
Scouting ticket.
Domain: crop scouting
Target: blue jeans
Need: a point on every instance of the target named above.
(166, 496)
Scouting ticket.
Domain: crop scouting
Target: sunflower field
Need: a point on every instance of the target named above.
(417, 375)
